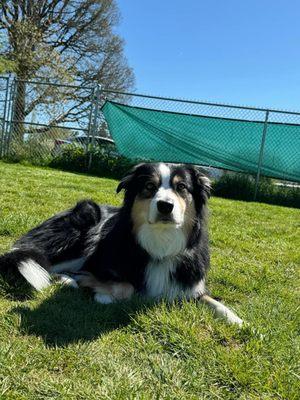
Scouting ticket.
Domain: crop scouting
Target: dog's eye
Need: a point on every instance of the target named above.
(181, 186)
(150, 186)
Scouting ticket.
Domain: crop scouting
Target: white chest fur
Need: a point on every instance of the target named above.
(158, 279)
(160, 284)
(164, 243)
(162, 240)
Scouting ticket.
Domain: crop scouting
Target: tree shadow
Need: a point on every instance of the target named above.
(70, 316)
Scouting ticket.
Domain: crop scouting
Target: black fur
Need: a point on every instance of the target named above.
(9, 261)
(118, 257)
(60, 238)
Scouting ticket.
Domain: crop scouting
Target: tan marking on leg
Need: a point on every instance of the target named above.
(117, 290)
(221, 310)
(122, 290)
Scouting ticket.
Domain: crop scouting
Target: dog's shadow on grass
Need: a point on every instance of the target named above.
(70, 316)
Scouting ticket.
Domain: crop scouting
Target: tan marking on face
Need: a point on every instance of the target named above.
(140, 212)
(177, 179)
(118, 290)
(189, 217)
(187, 205)
(183, 202)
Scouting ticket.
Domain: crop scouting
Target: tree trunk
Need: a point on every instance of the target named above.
(19, 111)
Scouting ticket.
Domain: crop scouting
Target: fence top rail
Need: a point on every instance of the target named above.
(164, 98)
(34, 82)
(206, 103)
(47, 125)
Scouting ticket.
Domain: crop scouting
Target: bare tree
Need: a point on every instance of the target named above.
(71, 41)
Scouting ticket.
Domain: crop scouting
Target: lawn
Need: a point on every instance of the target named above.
(59, 344)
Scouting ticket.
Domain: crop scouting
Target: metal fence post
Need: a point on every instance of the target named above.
(96, 99)
(261, 154)
(10, 122)
(90, 128)
(4, 117)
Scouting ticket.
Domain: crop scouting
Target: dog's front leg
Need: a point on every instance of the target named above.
(110, 292)
(221, 310)
(106, 292)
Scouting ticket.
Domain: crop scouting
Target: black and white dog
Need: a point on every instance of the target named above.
(156, 244)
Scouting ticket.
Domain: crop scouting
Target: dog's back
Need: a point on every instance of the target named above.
(58, 239)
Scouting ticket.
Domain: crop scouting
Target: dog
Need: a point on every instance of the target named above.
(155, 244)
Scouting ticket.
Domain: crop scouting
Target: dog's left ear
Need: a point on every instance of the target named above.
(124, 183)
(128, 178)
(201, 182)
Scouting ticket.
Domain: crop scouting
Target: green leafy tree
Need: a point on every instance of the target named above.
(6, 65)
(66, 41)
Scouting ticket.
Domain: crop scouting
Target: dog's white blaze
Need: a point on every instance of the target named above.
(35, 274)
(159, 282)
(162, 240)
(165, 193)
(165, 174)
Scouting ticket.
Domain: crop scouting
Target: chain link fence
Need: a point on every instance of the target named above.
(39, 119)
(4, 103)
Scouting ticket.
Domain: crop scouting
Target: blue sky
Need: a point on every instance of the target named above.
(239, 52)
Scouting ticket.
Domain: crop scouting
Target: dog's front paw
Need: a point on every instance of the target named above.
(113, 291)
(103, 298)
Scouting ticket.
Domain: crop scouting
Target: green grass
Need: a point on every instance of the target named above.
(59, 344)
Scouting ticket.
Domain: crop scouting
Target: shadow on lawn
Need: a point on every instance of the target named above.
(70, 316)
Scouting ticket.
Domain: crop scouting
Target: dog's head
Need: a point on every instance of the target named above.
(165, 201)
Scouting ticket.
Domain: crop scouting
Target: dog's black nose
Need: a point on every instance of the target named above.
(165, 207)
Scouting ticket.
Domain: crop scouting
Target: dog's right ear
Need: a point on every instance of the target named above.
(128, 178)
(201, 182)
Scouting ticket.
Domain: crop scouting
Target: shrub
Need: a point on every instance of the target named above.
(103, 160)
(241, 187)
(32, 151)
(71, 158)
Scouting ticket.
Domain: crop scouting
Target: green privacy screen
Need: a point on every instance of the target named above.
(141, 133)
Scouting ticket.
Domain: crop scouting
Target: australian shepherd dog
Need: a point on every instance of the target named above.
(156, 244)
